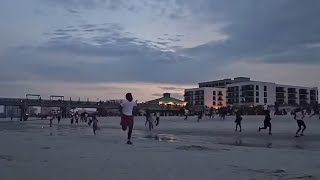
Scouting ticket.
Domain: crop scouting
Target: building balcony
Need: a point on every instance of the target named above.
(292, 97)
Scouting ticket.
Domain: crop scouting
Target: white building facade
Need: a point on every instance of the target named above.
(206, 97)
(244, 91)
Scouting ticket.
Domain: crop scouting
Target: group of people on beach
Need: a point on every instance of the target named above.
(127, 108)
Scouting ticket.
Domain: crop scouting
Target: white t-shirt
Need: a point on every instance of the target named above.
(127, 107)
(299, 115)
(265, 107)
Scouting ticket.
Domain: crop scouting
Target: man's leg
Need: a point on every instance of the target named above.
(304, 128)
(298, 129)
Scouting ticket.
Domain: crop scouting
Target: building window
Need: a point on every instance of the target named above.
(265, 100)
(257, 93)
(214, 93)
(257, 100)
(213, 103)
(220, 93)
(257, 87)
(265, 88)
(214, 98)
(265, 94)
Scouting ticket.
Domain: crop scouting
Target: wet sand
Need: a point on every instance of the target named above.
(176, 149)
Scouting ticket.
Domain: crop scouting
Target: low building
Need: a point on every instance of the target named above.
(165, 104)
(206, 97)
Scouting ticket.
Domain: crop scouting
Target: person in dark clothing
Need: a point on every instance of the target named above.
(94, 124)
(126, 110)
(77, 117)
(157, 118)
(211, 112)
(200, 114)
(148, 116)
(299, 116)
(267, 123)
(59, 117)
(72, 118)
(238, 121)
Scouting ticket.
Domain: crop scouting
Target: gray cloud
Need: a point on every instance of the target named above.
(261, 30)
(171, 88)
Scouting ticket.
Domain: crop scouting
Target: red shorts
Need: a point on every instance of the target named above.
(126, 121)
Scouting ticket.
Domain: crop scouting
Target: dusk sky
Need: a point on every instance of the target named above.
(105, 48)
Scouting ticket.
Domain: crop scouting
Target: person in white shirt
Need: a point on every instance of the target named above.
(299, 116)
(126, 109)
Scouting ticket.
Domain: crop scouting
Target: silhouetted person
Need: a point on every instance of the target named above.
(94, 124)
(299, 116)
(72, 119)
(59, 117)
(267, 123)
(211, 112)
(238, 121)
(77, 117)
(126, 109)
(186, 112)
(157, 118)
(200, 114)
(148, 116)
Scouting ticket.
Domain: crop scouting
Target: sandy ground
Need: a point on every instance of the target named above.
(176, 149)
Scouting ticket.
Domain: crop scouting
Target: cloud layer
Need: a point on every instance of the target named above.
(156, 42)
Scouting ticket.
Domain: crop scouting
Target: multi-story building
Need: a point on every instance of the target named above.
(206, 97)
(244, 91)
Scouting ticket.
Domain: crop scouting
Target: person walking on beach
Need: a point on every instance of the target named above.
(267, 123)
(77, 117)
(211, 113)
(200, 114)
(126, 109)
(186, 112)
(157, 118)
(72, 118)
(148, 117)
(238, 121)
(59, 117)
(94, 124)
(299, 116)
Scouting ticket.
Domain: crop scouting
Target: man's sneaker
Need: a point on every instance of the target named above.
(129, 142)
(270, 133)
(301, 134)
(259, 129)
(297, 135)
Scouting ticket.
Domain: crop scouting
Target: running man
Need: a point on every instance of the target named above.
(299, 116)
(267, 123)
(126, 109)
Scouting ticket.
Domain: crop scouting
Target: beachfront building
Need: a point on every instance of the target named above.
(166, 105)
(206, 97)
(244, 91)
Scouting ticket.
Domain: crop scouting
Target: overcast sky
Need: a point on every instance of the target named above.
(104, 48)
